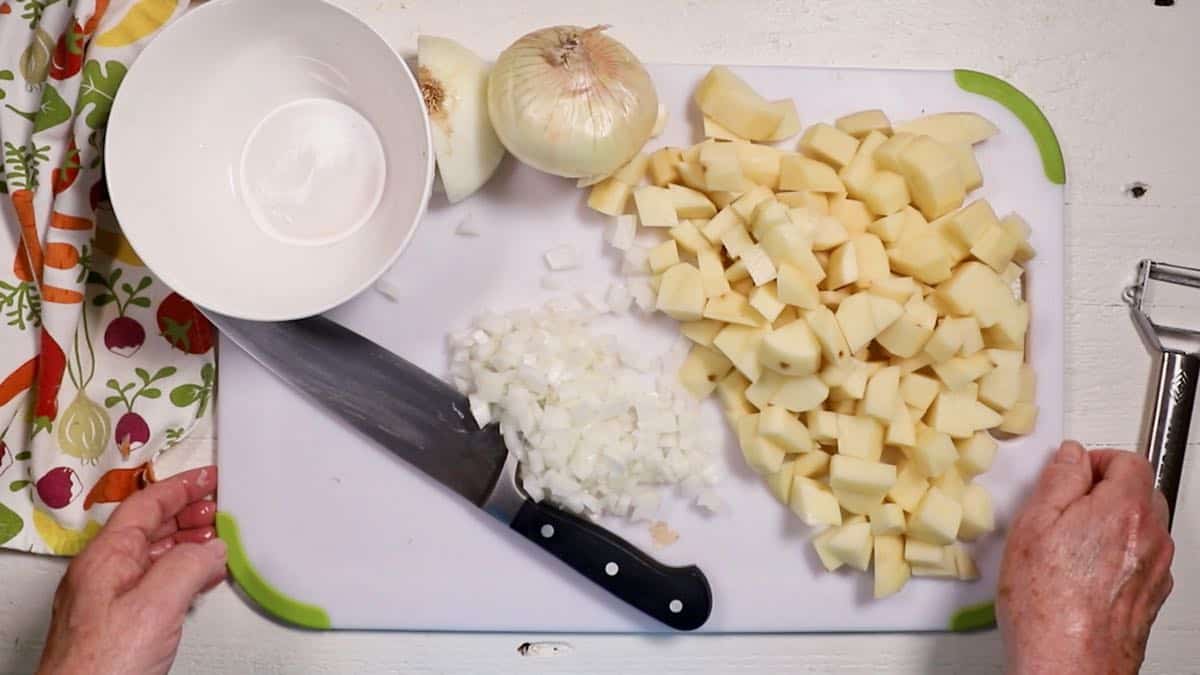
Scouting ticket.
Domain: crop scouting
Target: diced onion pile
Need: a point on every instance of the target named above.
(598, 429)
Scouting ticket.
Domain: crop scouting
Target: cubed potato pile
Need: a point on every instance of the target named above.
(853, 311)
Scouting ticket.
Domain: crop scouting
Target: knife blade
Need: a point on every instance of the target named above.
(427, 423)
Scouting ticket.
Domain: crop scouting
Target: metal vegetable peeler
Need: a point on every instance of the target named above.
(1169, 412)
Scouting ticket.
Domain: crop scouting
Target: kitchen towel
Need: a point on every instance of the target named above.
(102, 367)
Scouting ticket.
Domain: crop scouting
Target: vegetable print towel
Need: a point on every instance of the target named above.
(101, 366)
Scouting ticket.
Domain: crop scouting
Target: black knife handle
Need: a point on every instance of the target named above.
(679, 597)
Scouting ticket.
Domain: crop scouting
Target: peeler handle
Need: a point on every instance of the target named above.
(1169, 419)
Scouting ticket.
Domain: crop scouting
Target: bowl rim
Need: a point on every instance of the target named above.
(166, 276)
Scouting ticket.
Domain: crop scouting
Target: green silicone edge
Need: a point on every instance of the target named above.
(1026, 110)
(259, 589)
(974, 617)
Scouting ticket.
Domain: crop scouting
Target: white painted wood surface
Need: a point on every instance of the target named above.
(1117, 80)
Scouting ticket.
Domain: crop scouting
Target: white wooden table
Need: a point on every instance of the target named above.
(1116, 78)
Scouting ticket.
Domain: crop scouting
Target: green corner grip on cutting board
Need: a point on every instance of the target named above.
(1026, 110)
(259, 589)
(974, 617)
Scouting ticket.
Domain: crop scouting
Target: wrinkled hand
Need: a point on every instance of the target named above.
(1086, 567)
(120, 606)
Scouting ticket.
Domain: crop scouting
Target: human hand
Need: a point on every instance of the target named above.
(121, 604)
(1086, 567)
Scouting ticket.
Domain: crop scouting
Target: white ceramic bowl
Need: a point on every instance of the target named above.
(269, 159)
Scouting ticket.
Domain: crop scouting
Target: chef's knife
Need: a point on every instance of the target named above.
(428, 424)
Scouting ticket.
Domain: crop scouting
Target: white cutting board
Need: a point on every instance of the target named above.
(336, 532)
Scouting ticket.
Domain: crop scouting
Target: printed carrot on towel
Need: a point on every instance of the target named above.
(22, 201)
(63, 221)
(18, 380)
(53, 365)
(117, 484)
(60, 295)
(61, 256)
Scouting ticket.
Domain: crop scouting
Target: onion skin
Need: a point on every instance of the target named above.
(571, 101)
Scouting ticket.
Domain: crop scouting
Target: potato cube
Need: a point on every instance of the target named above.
(968, 166)
(901, 429)
(740, 345)
(883, 395)
(872, 260)
(917, 552)
(860, 437)
(701, 332)
(663, 256)
(714, 130)
(1019, 419)
(1028, 392)
(732, 307)
(767, 214)
(766, 301)
(909, 488)
(732, 103)
(786, 244)
(950, 414)
(842, 269)
(978, 515)
(797, 172)
(814, 503)
(887, 519)
(934, 452)
(933, 177)
(854, 474)
(1008, 328)
(911, 332)
(817, 203)
(964, 564)
(634, 171)
(719, 224)
(936, 519)
(821, 545)
(790, 125)
(922, 257)
(792, 350)
(688, 237)
(736, 240)
(956, 373)
(945, 342)
(943, 568)
(712, 275)
(759, 265)
(702, 370)
(781, 427)
(689, 203)
(760, 454)
(801, 394)
(829, 333)
(655, 206)
(952, 127)
(828, 233)
(759, 163)
(889, 228)
(812, 464)
(822, 425)
(662, 166)
(853, 214)
(731, 390)
(887, 156)
(722, 171)
(891, 571)
(899, 289)
(780, 482)
(853, 544)
(681, 293)
(761, 391)
(828, 144)
(952, 483)
(864, 122)
(857, 174)
(886, 193)
(918, 391)
(970, 334)
(1001, 388)
(996, 248)
(976, 454)
(691, 174)
(1019, 229)
(609, 197)
(744, 206)
(795, 288)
